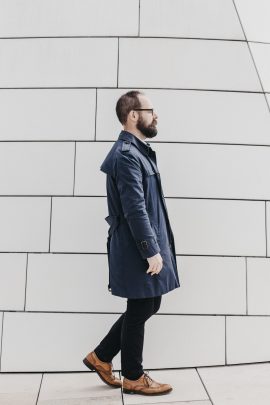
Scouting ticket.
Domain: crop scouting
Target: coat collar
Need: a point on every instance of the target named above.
(142, 146)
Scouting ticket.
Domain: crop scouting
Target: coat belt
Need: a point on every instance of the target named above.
(114, 221)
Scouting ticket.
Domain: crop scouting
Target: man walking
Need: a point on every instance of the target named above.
(140, 245)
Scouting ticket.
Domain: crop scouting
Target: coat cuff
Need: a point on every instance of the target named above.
(148, 247)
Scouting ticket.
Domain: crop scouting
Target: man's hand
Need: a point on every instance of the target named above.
(155, 264)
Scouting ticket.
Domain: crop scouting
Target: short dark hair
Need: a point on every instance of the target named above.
(127, 102)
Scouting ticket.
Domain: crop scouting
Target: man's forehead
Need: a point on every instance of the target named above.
(145, 101)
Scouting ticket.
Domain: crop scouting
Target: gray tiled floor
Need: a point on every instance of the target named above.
(224, 385)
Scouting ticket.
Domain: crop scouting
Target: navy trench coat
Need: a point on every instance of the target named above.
(139, 222)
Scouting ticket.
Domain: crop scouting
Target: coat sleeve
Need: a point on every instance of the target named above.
(130, 187)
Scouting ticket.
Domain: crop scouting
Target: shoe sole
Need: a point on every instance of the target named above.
(93, 368)
(127, 391)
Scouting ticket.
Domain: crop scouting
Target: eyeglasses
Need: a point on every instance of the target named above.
(145, 109)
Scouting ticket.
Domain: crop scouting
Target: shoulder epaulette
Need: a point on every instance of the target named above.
(126, 146)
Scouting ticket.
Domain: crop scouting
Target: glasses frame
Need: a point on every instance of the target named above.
(144, 109)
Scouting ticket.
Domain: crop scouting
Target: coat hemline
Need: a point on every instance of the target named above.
(148, 296)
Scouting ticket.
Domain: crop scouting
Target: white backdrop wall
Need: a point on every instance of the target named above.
(205, 64)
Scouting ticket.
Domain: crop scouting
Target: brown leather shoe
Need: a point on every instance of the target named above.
(103, 369)
(145, 385)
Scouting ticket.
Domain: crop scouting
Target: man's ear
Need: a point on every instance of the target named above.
(132, 115)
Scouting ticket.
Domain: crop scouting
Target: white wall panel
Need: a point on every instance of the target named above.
(190, 18)
(108, 126)
(25, 224)
(12, 281)
(209, 285)
(206, 283)
(58, 342)
(50, 342)
(186, 63)
(267, 96)
(1, 330)
(89, 179)
(218, 227)
(53, 279)
(194, 116)
(198, 225)
(261, 54)
(58, 62)
(247, 339)
(267, 222)
(258, 285)
(214, 171)
(33, 168)
(190, 341)
(68, 17)
(254, 16)
(47, 114)
(78, 225)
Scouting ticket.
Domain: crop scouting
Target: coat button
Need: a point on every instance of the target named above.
(144, 244)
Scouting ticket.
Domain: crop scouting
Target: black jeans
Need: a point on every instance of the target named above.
(127, 335)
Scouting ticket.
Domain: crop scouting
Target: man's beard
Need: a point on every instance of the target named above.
(149, 131)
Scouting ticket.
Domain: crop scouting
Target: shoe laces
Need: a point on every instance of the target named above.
(147, 378)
